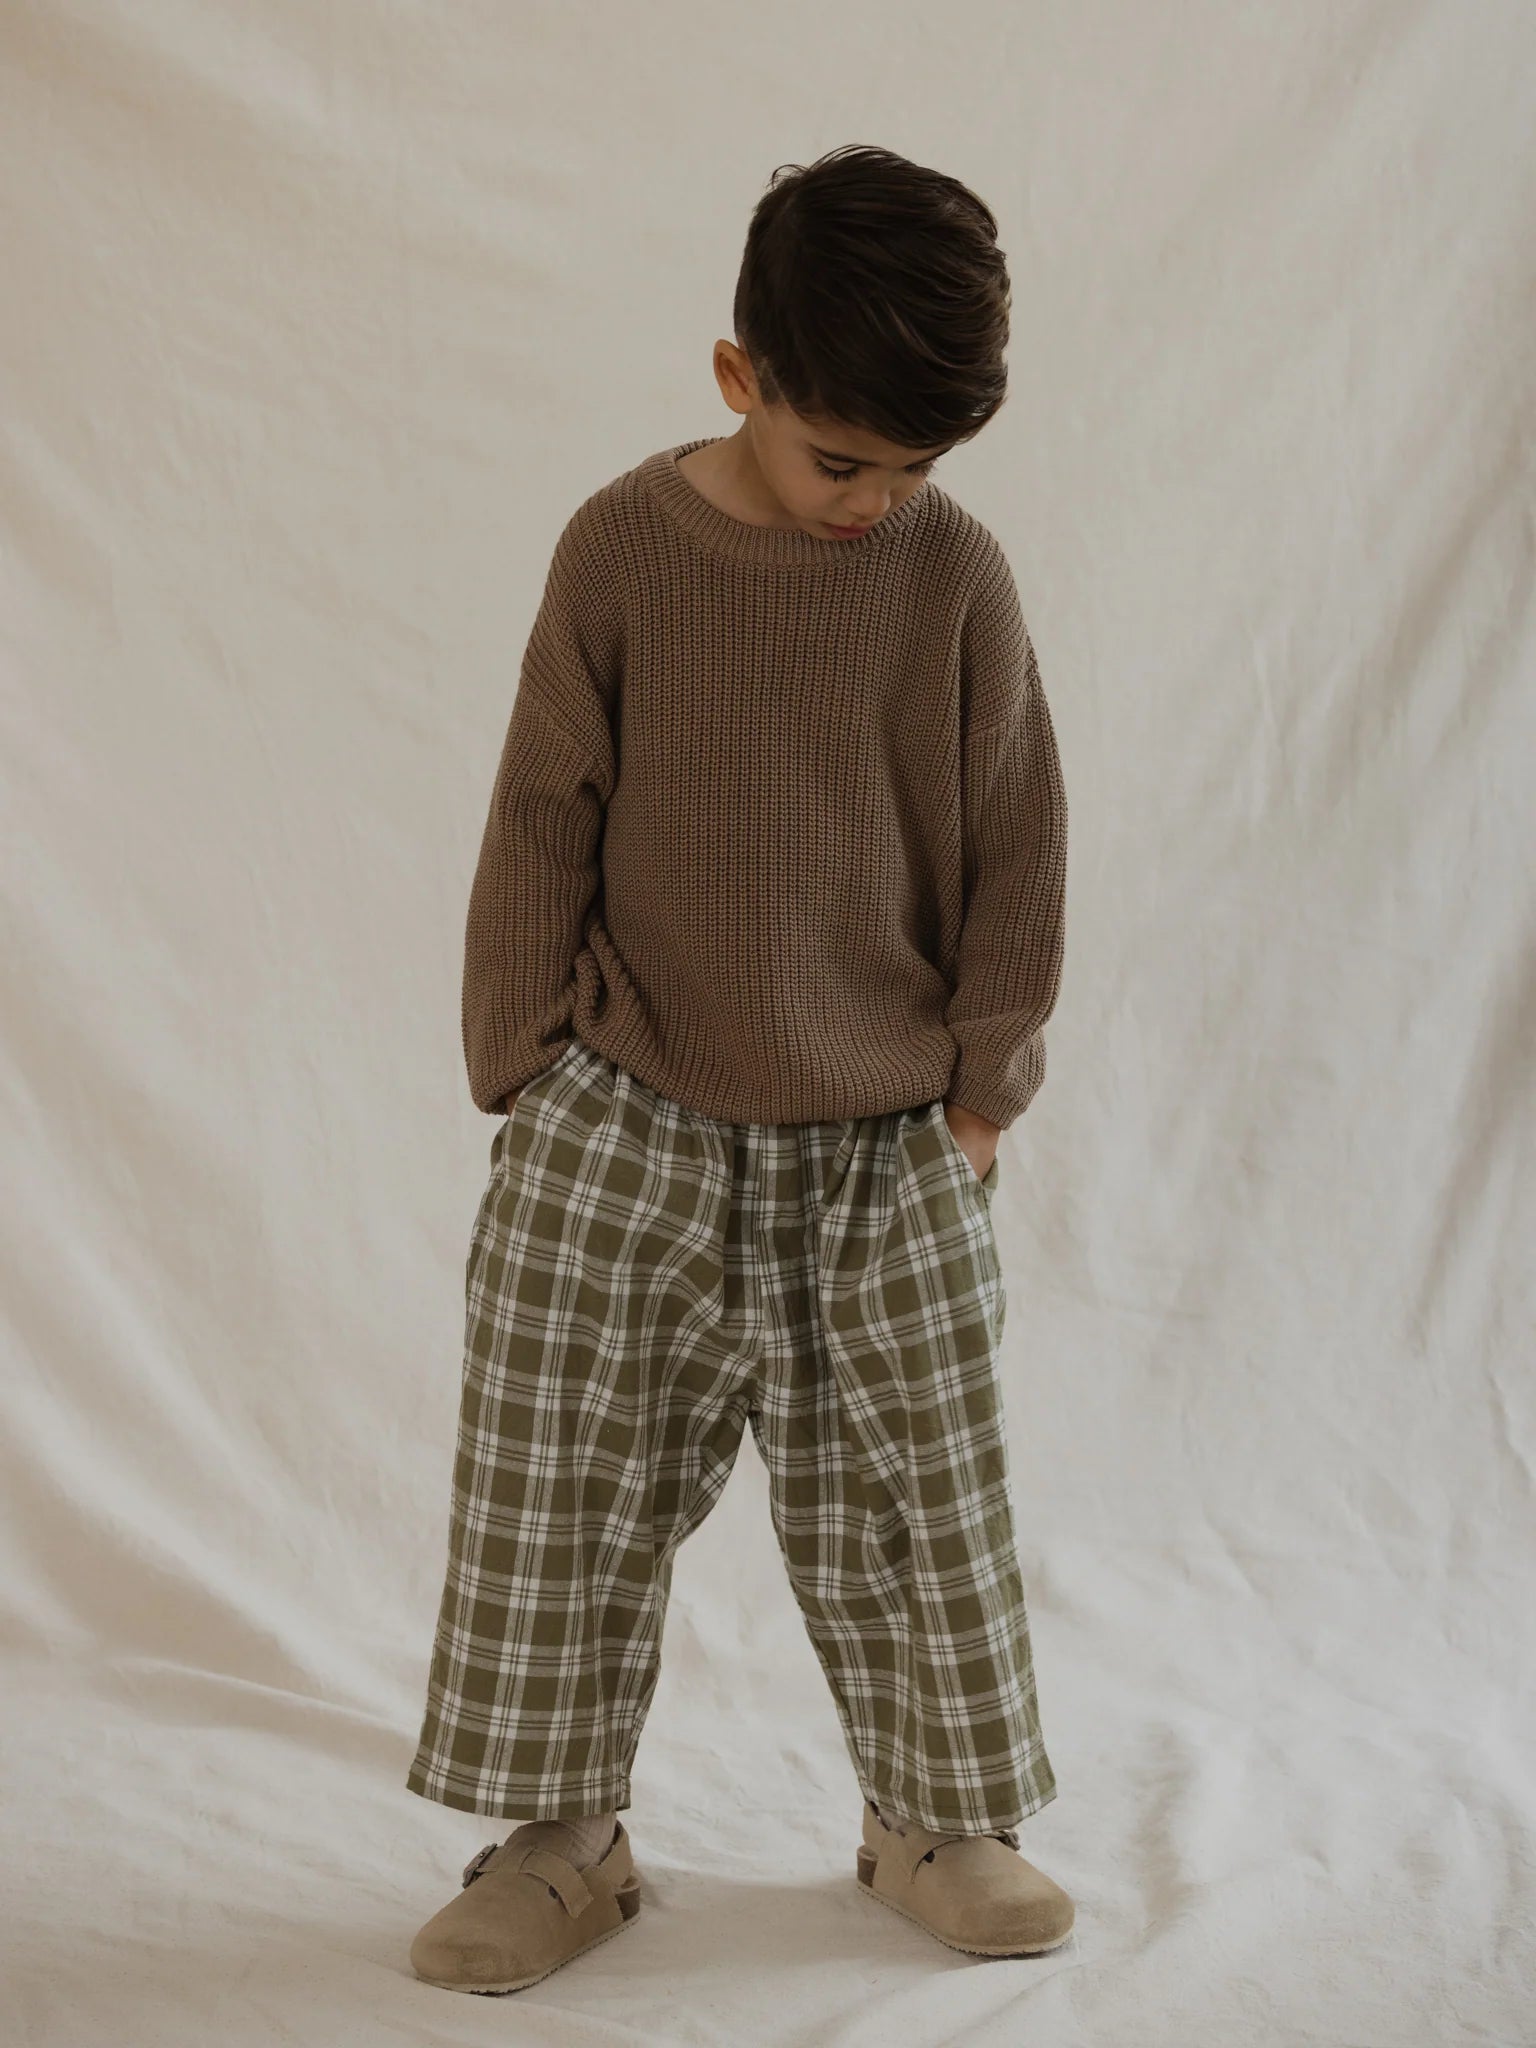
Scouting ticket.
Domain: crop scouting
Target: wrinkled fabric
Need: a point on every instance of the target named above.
(316, 322)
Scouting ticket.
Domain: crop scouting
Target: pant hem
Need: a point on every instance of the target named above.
(576, 1805)
(1012, 1815)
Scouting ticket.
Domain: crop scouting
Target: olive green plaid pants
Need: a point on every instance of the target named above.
(642, 1281)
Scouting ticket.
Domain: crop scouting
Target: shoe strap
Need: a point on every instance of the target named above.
(910, 1849)
(562, 1876)
(918, 1843)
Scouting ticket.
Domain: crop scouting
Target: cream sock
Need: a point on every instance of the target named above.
(592, 1836)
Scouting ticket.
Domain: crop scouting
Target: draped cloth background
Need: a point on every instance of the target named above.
(318, 323)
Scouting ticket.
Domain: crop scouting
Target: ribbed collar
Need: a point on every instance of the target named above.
(781, 546)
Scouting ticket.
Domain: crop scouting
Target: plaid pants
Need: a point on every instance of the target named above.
(643, 1280)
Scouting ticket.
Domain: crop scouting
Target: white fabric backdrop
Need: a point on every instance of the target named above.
(318, 324)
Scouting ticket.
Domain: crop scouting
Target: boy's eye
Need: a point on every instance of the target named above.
(842, 475)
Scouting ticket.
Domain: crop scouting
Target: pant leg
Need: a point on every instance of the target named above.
(881, 1423)
(605, 1386)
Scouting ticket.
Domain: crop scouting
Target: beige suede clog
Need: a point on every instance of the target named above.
(975, 1892)
(524, 1909)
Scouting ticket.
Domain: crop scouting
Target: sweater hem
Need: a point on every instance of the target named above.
(739, 1104)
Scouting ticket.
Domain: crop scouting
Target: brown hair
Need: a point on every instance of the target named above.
(872, 291)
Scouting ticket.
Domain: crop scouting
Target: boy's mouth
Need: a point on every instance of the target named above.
(849, 532)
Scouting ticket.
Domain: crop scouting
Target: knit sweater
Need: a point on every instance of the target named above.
(779, 824)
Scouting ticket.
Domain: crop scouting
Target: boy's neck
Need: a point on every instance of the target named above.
(725, 473)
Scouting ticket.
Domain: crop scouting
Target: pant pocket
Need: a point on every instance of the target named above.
(987, 1181)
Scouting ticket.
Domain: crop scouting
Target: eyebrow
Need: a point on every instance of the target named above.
(858, 462)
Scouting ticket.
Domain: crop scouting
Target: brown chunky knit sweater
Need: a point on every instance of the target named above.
(779, 823)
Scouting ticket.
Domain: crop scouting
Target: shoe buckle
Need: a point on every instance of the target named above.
(476, 1864)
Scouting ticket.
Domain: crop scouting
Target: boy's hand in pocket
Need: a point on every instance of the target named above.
(977, 1139)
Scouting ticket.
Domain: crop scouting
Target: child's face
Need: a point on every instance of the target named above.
(831, 477)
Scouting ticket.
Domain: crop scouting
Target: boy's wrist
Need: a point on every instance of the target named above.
(977, 1138)
(966, 1123)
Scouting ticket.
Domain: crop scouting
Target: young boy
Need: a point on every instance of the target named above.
(767, 921)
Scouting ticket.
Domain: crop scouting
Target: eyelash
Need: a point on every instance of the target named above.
(842, 475)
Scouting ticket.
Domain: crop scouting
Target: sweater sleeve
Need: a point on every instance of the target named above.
(1014, 836)
(540, 865)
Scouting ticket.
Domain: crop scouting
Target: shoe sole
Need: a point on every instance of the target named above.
(866, 1870)
(628, 1897)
